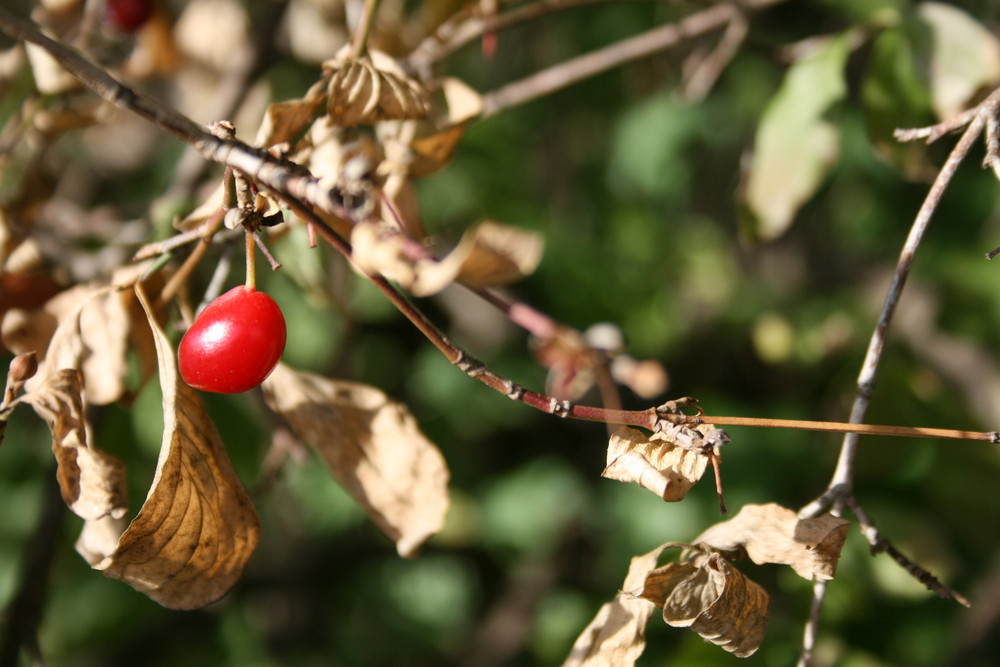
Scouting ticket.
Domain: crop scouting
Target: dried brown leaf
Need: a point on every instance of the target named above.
(371, 89)
(616, 637)
(197, 528)
(373, 446)
(489, 254)
(654, 463)
(88, 327)
(713, 598)
(284, 121)
(450, 112)
(377, 248)
(773, 534)
(92, 482)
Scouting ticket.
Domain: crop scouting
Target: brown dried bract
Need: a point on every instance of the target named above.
(197, 528)
(654, 462)
(774, 534)
(370, 89)
(374, 448)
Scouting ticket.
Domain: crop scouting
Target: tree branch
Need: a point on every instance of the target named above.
(557, 77)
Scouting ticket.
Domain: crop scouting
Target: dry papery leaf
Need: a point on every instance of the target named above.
(710, 596)
(451, 111)
(489, 254)
(373, 446)
(197, 529)
(92, 482)
(616, 637)
(774, 534)
(654, 462)
(370, 89)
(89, 327)
(284, 121)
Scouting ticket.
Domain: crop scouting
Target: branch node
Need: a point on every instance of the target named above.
(469, 365)
(560, 408)
(512, 390)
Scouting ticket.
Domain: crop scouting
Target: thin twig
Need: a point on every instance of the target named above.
(854, 428)
(469, 25)
(811, 632)
(880, 544)
(359, 44)
(614, 55)
(701, 72)
(844, 473)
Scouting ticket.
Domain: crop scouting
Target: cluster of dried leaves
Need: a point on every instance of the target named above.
(703, 591)
(191, 539)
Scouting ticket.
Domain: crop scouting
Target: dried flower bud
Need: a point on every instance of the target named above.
(22, 367)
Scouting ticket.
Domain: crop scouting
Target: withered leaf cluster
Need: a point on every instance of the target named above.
(197, 528)
(704, 592)
(417, 127)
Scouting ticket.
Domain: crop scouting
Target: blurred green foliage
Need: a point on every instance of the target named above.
(635, 190)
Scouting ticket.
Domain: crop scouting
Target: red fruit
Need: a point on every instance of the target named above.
(234, 343)
(127, 15)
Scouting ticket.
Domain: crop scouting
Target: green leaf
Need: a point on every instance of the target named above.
(797, 142)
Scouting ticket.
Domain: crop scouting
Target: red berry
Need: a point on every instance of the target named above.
(127, 15)
(234, 343)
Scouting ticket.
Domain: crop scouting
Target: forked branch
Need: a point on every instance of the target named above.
(839, 493)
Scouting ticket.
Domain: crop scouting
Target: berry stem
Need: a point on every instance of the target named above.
(251, 262)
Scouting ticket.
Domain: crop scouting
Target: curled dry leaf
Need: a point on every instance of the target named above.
(371, 89)
(713, 598)
(617, 635)
(774, 534)
(197, 529)
(489, 254)
(92, 482)
(654, 462)
(373, 446)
